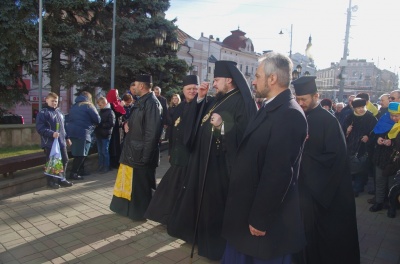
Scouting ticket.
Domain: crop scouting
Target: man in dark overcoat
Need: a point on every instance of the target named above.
(326, 194)
(141, 150)
(262, 222)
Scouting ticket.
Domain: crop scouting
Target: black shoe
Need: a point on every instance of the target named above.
(53, 185)
(376, 207)
(75, 176)
(104, 170)
(371, 192)
(84, 173)
(355, 194)
(66, 183)
(371, 201)
(391, 213)
(99, 169)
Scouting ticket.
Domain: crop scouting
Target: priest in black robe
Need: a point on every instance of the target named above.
(201, 202)
(326, 194)
(181, 127)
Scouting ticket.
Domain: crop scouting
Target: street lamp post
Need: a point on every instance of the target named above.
(208, 56)
(40, 72)
(297, 72)
(291, 39)
(173, 44)
(113, 46)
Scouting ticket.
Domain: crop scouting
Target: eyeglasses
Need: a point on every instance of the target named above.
(392, 98)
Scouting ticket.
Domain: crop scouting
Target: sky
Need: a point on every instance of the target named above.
(374, 31)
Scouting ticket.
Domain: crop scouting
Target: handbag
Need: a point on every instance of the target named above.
(358, 164)
(123, 183)
(391, 168)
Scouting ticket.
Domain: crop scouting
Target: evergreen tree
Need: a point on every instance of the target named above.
(77, 37)
(63, 23)
(17, 34)
(137, 26)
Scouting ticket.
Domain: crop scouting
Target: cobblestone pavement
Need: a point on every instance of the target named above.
(75, 225)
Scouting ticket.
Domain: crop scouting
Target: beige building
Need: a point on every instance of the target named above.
(359, 76)
(201, 54)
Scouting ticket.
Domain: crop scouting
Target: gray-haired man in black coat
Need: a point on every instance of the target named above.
(262, 222)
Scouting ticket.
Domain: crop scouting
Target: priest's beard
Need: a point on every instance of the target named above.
(219, 95)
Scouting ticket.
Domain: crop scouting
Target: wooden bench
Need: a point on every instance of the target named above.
(12, 164)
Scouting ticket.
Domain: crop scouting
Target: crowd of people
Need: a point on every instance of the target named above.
(268, 175)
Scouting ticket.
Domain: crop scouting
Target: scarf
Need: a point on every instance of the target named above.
(394, 108)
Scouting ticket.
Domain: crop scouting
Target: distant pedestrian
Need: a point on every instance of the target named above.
(327, 105)
(103, 134)
(47, 121)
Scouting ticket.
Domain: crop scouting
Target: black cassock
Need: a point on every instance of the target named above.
(167, 192)
(220, 156)
(326, 195)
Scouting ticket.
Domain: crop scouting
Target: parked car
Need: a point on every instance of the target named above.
(9, 118)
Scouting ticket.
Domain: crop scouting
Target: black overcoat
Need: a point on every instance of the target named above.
(326, 194)
(263, 183)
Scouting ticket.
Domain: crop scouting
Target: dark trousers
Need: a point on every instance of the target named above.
(77, 164)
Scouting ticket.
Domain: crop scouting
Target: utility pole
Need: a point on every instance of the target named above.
(113, 47)
(40, 70)
(343, 62)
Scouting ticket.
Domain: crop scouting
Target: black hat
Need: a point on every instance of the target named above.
(364, 96)
(144, 78)
(222, 69)
(358, 102)
(326, 102)
(190, 79)
(305, 85)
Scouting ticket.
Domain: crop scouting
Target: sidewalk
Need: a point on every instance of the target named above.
(75, 225)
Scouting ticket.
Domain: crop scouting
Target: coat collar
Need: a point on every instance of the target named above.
(280, 99)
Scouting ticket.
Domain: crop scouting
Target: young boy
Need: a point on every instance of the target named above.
(46, 126)
(103, 134)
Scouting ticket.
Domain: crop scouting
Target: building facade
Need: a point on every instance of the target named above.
(359, 76)
(201, 54)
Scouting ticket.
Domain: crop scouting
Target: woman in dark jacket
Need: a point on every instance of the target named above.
(82, 120)
(357, 128)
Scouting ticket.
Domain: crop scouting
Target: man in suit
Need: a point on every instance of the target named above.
(262, 222)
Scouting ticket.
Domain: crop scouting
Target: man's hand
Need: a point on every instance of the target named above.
(216, 120)
(126, 128)
(256, 232)
(364, 139)
(56, 135)
(69, 142)
(203, 90)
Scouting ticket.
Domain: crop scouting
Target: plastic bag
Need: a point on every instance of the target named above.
(54, 167)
